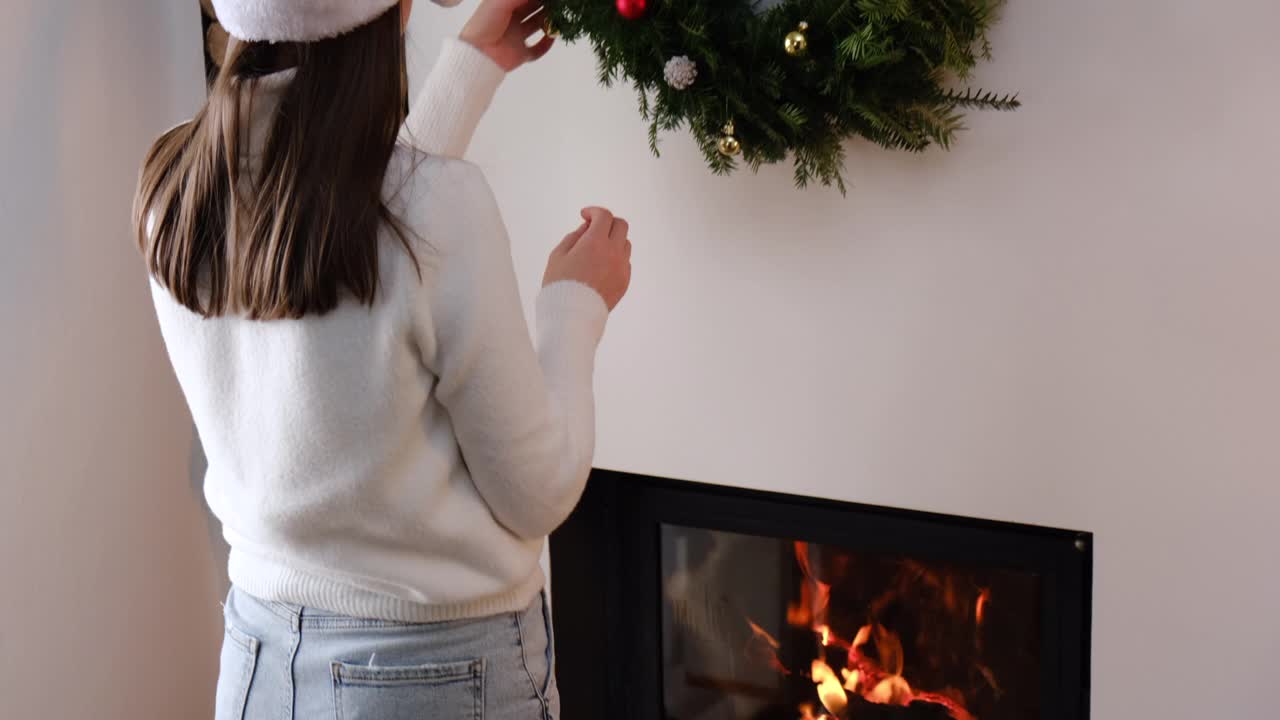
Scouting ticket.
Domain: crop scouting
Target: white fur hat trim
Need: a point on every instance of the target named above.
(299, 20)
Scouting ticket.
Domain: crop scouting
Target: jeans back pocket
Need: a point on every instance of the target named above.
(235, 673)
(417, 692)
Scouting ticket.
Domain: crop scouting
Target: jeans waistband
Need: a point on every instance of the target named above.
(298, 617)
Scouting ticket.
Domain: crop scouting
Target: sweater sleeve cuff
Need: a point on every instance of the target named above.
(454, 98)
(571, 318)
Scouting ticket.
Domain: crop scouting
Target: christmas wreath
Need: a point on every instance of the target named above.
(756, 80)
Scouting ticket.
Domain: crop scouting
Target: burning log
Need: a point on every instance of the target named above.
(859, 709)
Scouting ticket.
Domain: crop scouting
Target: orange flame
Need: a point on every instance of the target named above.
(980, 608)
(830, 690)
(765, 647)
(763, 634)
(815, 595)
(851, 678)
(887, 645)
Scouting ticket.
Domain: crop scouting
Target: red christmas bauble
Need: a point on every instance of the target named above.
(632, 9)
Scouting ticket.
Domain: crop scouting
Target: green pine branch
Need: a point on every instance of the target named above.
(981, 100)
(876, 69)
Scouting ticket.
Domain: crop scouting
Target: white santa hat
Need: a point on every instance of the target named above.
(299, 20)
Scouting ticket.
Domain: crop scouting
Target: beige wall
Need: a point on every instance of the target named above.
(1068, 320)
(107, 600)
(1071, 319)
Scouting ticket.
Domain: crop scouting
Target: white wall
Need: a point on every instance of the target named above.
(107, 600)
(1069, 320)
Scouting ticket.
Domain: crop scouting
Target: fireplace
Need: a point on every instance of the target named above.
(681, 601)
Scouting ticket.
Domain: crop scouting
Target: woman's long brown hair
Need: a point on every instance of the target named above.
(303, 231)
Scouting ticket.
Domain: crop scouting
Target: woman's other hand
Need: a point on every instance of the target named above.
(597, 254)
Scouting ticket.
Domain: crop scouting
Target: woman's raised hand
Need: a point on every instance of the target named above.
(501, 29)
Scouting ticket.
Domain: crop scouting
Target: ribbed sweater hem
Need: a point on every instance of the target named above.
(274, 581)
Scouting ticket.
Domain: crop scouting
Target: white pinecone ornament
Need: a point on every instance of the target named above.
(680, 72)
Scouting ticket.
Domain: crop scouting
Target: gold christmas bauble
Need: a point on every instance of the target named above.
(796, 43)
(729, 145)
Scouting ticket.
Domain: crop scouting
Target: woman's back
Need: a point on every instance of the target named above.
(323, 434)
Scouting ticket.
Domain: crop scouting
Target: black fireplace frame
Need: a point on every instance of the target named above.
(606, 577)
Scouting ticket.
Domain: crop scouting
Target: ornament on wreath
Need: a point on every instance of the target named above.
(728, 144)
(883, 70)
(632, 9)
(680, 72)
(796, 43)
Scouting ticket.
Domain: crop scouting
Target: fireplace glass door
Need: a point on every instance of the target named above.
(767, 628)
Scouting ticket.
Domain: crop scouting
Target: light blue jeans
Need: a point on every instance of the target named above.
(284, 662)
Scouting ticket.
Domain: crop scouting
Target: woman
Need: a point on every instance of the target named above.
(387, 449)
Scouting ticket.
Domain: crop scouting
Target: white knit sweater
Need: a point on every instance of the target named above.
(404, 461)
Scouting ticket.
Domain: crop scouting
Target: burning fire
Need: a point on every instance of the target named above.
(877, 681)
(873, 664)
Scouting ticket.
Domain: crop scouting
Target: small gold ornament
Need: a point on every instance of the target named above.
(549, 29)
(797, 43)
(729, 145)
